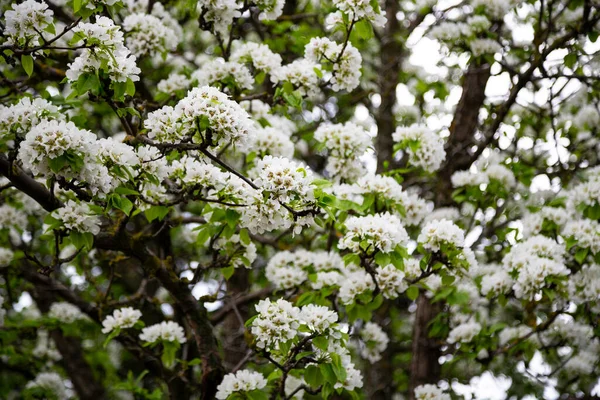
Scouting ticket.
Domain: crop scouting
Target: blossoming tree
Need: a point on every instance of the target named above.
(266, 200)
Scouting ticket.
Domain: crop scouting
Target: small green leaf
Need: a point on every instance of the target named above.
(27, 63)
(412, 292)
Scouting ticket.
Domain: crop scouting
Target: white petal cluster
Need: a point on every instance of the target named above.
(287, 270)
(78, 217)
(430, 392)
(270, 9)
(242, 381)
(147, 35)
(227, 121)
(276, 322)
(51, 140)
(347, 61)
(45, 348)
(318, 319)
(219, 70)
(390, 281)
(220, 14)
(450, 31)
(380, 231)
(468, 178)
(443, 232)
(174, 83)
(300, 73)
(168, 331)
(354, 284)
(492, 8)
(121, 319)
(6, 256)
(375, 342)
(464, 333)
(109, 55)
(285, 179)
(534, 260)
(50, 381)
(360, 9)
(533, 222)
(345, 143)
(480, 47)
(258, 54)
(244, 255)
(66, 313)
(23, 22)
(271, 141)
(24, 115)
(426, 148)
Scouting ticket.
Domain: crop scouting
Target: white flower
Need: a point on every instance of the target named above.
(480, 47)
(380, 231)
(375, 342)
(464, 332)
(147, 35)
(219, 70)
(220, 13)
(173, 83)
(359, 9)
(346, 65)
(227, 121)
(261, 57)
(65, 312)
(426, 148)
(318, 319)
(345, 144)
(123, 318)
(25, 20)
(242, 381)
(78, 217)
(271, 141)
(168, 331)
(443, 232)
(353, 284)
(6, 256)
(276, 322)
(430, 392)
(51, 382)
(390, 281)
(301, 73)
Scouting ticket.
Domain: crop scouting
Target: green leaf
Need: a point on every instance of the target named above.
(581, 255)
(155, 212)
(338, 369)
(27, 63)
(245, 237)
(257, 395)
(412, 292)
(88, 82)
(82, 240)
(76, 5)
(130, 87)
(168, 354)
(228, 271)
(321, 343)
(364, 30)
(313, 376)
(328, 373)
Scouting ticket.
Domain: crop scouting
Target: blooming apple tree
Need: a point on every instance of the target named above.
(295, 199)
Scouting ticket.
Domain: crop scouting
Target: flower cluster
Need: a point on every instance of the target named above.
(167, 331)
(271, 141)
(286, 269)
(390, 281)
(346, 62)
(345, 144)
(18, 119)
(121, 319)
(375, 342)
(355, 10)
(49, 382)
(259, 55)
(219, 14)
(175, 82)
(221, 71)
(381, 232)
(277, 322)
(426, 148)
(23, 24)
(430, 392)
(66, 313)
(302, 74)
(436, 234)
(464, 332)
(481, 47)
(205, 111)
(109, 57)
(147, 35)
(77, 217)
(242, 381)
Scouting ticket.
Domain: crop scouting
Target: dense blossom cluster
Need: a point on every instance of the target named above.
(346, 62)
(241, 381)
(167, 331)
(381, 232)
(147, 35)
(122, 318)
(22, 24)
(426, 148)
(346, 143)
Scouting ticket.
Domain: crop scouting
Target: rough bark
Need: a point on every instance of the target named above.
(391, 58)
